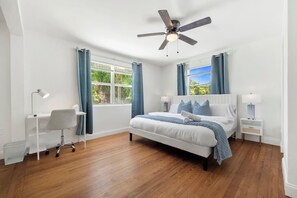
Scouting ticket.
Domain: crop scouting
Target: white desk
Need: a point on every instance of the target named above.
(47, 115)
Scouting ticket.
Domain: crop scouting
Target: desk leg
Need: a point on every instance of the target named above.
(37, 138)
(85, 142)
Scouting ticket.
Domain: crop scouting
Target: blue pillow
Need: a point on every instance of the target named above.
(202, 109)
(184, 107)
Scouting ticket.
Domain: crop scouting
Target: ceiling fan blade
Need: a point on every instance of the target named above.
(195, 24)
(163, 44)
(187, 39)
(166, 18)
(151, 34)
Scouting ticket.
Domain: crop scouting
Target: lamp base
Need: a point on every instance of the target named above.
(165, 106)
(251, 111)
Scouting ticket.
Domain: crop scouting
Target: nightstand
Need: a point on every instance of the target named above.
(251, 127)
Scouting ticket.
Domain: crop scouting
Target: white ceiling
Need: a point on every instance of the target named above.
(114, 24)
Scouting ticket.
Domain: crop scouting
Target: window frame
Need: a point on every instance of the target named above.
(112, 83)
(188, 76)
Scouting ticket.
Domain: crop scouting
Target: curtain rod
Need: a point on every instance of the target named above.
(114, 59)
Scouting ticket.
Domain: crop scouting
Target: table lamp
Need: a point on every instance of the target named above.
(251, 99)
(41, 93)
(165, 100)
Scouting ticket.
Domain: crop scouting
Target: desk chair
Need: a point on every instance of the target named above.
(61, 120)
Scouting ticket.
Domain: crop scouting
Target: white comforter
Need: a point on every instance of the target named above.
(192, 134)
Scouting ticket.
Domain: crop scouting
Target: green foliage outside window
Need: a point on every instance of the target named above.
(197, 89)
(107, 79)
(122, 79)
(100, 76)
(123, 94)
(101, 94)
(199, 80)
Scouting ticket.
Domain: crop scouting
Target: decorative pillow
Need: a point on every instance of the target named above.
(184, 107)
(202, 109)
(225, 110)
(173, 108)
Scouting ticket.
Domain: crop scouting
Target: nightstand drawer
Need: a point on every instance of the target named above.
(251, 130)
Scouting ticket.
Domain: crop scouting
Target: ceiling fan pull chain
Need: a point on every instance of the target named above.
(167, 51)
(177, 49)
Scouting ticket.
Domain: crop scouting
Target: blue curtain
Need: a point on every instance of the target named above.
(219, 74)
(181, 79)
(137, 93)
(85, 89)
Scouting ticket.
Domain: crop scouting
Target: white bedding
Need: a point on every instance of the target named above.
(192, 134)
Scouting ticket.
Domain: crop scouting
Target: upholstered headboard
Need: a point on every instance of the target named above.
(213, 99)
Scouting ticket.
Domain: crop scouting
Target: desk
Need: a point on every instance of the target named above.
(47, 115)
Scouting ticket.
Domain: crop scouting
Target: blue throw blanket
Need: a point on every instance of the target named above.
(222, 150)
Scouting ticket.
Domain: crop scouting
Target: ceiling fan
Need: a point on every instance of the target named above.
(173, 28)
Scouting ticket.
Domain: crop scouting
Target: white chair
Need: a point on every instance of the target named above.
(60, 120)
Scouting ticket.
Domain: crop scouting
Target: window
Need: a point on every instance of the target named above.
(199, 80)
(111, 84)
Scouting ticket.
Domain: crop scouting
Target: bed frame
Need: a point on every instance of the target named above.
(202, 151)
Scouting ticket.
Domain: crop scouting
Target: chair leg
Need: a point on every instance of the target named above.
(59, 146)
(73, 147)
(131, 136)
(62, 138)
(58, 151)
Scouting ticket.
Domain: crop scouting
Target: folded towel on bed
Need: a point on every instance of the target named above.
(170, 115)
(191, 116)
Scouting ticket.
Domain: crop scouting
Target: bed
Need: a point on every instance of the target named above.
(194, 139)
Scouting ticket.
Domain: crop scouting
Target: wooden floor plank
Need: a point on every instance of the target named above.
(115, 167)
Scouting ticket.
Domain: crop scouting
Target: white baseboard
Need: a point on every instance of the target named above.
(271, 140)
(106, 133)
(290, 189)
(265, 139)
(281, 146)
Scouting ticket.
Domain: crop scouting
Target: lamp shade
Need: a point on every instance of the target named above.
(164, 99)
(251, 98)
(44, 94)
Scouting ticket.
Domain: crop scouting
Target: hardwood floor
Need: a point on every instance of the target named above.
(114, 167)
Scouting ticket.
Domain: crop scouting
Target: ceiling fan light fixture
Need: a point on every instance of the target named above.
(172, 37)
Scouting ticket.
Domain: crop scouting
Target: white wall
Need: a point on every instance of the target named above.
(50, 64)
(4, 83)
(253, 67)
(12, 65)
(289, 163)
(256, 68)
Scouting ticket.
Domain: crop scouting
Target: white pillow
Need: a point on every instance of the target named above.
(226, 110)
(173, 108)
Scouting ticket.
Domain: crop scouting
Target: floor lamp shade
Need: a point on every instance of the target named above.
(42, 93)
(251, 100)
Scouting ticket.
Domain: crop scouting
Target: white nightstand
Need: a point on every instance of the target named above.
(251, 127)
